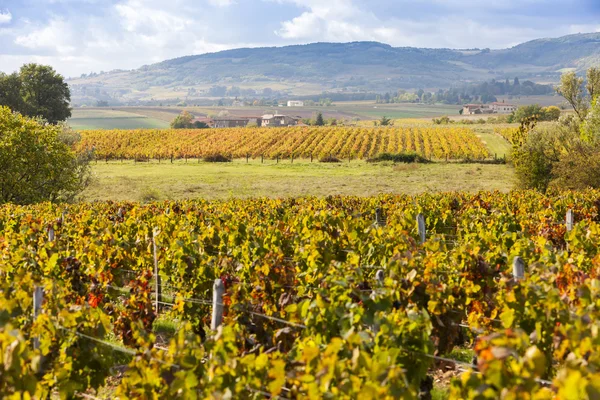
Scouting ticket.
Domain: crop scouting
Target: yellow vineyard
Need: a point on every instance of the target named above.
(454, 143)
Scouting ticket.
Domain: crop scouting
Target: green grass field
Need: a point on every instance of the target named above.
(160, 117)
(100, 118)
(149, 181)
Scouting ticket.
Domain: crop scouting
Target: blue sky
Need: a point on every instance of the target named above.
(81, 36)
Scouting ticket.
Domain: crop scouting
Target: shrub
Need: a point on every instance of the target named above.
(399, 157)
(149, 195)
(37, 165)
(442, 120)
(217, 158)
(330, 159)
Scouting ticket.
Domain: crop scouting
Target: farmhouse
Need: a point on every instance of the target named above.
(503, 108)
(278, 120)
(295, 103)
(475, 109)
(230, 122)
(492, 108)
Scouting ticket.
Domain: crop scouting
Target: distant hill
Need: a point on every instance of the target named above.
(335, 67)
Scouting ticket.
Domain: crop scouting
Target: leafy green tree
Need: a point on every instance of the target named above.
(593, 83)
(44, 93)
(183, 121)
(590, 128)
(551, 113)
(530, 111)
(37, 162)
(571, 88)
(203, 125)
(319, 121)
(10, 91)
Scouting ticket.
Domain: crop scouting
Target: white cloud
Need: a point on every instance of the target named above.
(221, 3)
(56, 35)
(94, 35)
(5, 17)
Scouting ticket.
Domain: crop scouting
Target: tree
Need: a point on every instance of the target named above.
(385, 121)
(44, 93)
(551, 113)
(183, 121)
(200, 125)
(37, 162)
(10, 91)
(590, 128)
(525, 112)
(319, 121)
(571, 88)
(593, 83)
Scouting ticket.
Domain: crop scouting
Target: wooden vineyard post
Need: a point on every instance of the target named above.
(421, 227)
(518, 268)
(171, 158)
(569, 220)
(157, 288)
(292, 158)
(217, 311)
(38, 299)
(247, 157)
(278, 159)
(51, 234)
(262, 158)
(379, 217)
(311, 157)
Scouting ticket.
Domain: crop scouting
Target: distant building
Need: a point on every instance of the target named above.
(278, 120)
(295, 103)
(503, 108)
(492, 108)
(476, 109)
(230, 122)
(206, 120)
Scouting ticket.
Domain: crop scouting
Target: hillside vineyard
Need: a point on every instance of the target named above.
(454, 143)
(317, 300)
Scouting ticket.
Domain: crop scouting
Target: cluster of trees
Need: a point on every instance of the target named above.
(185, 120)
(318, 120)
(36, 147)
(565, 154)
(235, 91)
(36, 91)
(551, 113)
(484, 92)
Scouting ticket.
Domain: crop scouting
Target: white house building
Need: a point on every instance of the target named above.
(295, 103)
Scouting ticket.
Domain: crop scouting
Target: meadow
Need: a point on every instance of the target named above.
(106, 118)
(129, 181)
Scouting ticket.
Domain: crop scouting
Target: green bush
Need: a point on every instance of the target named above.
(217, 158)
(330, 159)
(37, 162)
(399, 158)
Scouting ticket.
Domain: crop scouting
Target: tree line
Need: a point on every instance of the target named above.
(484, 92)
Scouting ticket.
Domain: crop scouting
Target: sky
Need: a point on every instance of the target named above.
(82, 36)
